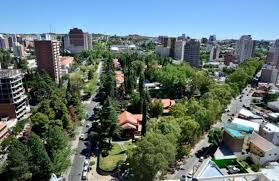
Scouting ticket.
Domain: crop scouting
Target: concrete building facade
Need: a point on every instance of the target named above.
(13, 101)
(269, 74)
(214, 53)
(179, 50)
(77, 41)
(262, 151)
(244, 48)
(270, 132)
(18, 50)
(273, 55)
(192, 53)
(47, 56)
(171, 44)
(4, 43)
(162, 51)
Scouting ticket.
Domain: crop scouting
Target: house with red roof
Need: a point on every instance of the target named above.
(130, 123)
(166, 103)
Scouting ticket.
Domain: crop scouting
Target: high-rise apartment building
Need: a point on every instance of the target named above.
(212, 39)
(171, 44)
(4, 43)
(269, 74)
(18, 50)
(163, 40)
(192, 53)
(204, 40)
(273, 54)
(244, 48)
(13, 101)
(179, 50)
(77, 41)
(214, 53)
(47, 56)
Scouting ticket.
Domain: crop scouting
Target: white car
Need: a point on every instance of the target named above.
(201, 159)
(190, 174)
(87, 125)
(81, 137)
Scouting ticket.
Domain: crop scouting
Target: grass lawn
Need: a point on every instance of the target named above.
(109, 163)
(129, 145)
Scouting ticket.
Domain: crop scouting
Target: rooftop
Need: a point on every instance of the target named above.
(234, 133)
(246, 123)
(66, 60)
(249, 114)
(261, 142)
(271, 127)
(128, 120)
(7, 73)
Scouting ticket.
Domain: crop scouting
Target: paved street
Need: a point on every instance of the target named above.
(234, 107)
(83, 146)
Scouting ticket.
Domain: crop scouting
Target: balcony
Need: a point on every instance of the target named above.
(21, 114)
(20, 99)
(17, 85)
(17, 95)
(14, 91)
(18, 110)
(14, 80)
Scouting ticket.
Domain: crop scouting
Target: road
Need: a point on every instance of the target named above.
(83, 147)
(234, 107)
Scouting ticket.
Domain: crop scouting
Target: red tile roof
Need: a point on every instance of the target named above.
(66, 60)
(126, 119)
(119, 76)
(167, 102)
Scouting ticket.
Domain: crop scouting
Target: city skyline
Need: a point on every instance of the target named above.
(151, 18)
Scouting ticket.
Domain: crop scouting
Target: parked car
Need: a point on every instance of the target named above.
(201, 159)
(87, 125)
(82, 137)
(190, 174)
(84, 175)
(233, 169)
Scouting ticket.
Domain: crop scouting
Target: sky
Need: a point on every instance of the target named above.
(195, 18)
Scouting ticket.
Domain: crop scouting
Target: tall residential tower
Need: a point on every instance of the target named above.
(47, 56)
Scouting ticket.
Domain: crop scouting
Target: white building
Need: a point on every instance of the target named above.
(162, 51)
(179, 50)
(262, 151)
(214, 53)
(244, 48)
(242, 122)
(273, 105)
(270, 132)
(4, 43)
(246, 114)
(18, 50)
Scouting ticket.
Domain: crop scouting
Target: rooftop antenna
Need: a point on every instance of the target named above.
(49, 28)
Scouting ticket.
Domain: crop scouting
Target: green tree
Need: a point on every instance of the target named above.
(57, 146)
(156, 108)
(18, 161)
(41, 165)
(152, 154)
(215, 136)
(5, 58)
(145, 110)
(40, 124)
